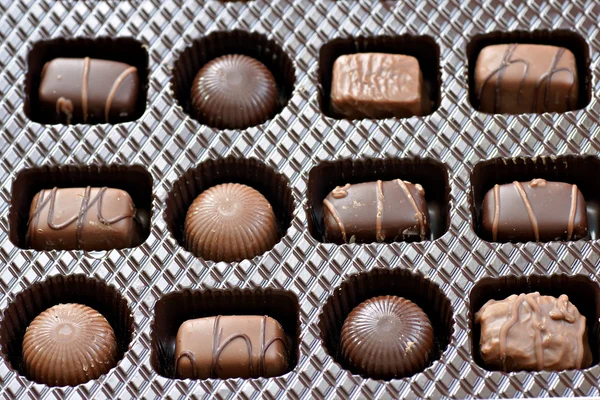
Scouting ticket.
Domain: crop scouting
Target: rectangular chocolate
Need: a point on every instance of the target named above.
(88, 90)
(239, 346)
(376, 212)
(82, 219)
(377, 85)
(526, 78)
(534, 211)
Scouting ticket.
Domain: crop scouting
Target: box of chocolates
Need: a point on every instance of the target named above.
(304, 199)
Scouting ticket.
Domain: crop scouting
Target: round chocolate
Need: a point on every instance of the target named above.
(387, 337)
(230, 222)
(234, 92)
(69, 344)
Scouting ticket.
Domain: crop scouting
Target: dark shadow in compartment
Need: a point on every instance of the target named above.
(573, 169)
(61, 289)
(134, 179)
(123, 49)
(429, 173)
(423, 48)
(380, 282)
(248, 171)
(175, 308)
(581, 290)
(218, 44)
(559, 37)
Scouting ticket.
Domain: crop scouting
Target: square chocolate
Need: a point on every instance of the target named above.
(377, 85)
(526, 78)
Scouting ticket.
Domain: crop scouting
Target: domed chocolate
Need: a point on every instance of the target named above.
(230, 222)
(234, 92)
(69, 344)
(387, 337)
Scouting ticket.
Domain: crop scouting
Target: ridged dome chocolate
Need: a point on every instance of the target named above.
(234, 92)
(230, 222)
(387, 337)
(69, 344)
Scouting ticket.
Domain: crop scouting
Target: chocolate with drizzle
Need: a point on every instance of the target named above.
(376, 212)
(533, 332)
(88, 90)
(534, 211)
(82, 219)
(522, 78)
(247, 346)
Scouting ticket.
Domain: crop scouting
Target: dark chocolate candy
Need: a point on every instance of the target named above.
(387, 337)
(234, 92)
(533, 332)
(523, 78)
(88, 90)
(230, 222)
(82, 219)
(69, 344)
(534, 211)
(376, 212)
(244, 346)
(377, 85)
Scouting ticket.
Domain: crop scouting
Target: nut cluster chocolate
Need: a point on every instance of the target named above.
(533, 332)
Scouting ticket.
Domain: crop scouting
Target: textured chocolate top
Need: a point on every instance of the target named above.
(82, 219)
(376, 85)
(533, 332)
(534, 211)
(387, 337)
(88, 90)
(234, 92)
(244, 346)
(69, 344)
(522, 78)
(376, 212)
(230, 222)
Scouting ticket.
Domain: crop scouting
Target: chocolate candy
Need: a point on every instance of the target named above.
(234, 92)
(534, 211)
(387, 337)
(230, 222)
(82, 219)
(376, 212)
(376, 85)
(244, 346)
(69, 344)
(88, 90)
(534, 333)
(523, 78)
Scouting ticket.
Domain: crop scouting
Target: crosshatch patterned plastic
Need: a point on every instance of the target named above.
(168, 142)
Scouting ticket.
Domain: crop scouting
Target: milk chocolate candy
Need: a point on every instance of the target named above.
(376, 85)
(534, 211)
(526, 78)
(82, 219)
(88, 90)
(376, 212)
(244, 346)
(387, 337)
(533, 332)
(234, 92)
(230, 222)
(69, 344)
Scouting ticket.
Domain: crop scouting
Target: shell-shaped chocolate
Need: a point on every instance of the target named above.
(234, 92)
(230, 222)
(387, 337)
(69, 344)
